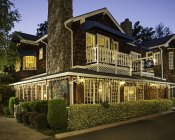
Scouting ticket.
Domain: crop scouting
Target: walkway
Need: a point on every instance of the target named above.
(10, 130)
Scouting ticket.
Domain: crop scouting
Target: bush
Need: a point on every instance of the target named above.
(31, 117)
(86, 116)
(6, 111)
(39, 106)
(173, 100)
(57, 114)
(40, 121)
(25, 107)
(13, 101)
(25, 117)
(19, 117)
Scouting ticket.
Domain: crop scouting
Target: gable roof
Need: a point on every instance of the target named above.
(99, 11)
(27, 36)
(158, 42)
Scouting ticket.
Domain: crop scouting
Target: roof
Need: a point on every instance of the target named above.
(27, 36)
(157, 42)
(93, 13)
(89, 73)
(92, 24)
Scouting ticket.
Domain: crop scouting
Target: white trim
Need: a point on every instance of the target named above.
(45, 36)
(104, 10)
(29, 42)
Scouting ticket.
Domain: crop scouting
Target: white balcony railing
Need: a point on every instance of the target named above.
(107, 56)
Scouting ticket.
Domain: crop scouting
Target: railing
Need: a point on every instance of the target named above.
(107, 56)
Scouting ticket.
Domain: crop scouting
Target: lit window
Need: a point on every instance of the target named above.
(90, 40)
(130, 93)
(40, 53)
(171, 61)
(29, 63)
(17, 66)
(103, 41)
(157, 58)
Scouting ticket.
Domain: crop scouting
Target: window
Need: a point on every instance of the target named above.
(103, 41)
(90, 40)
(17, 66)
(29, 63)
(40, 53)
(130, 93)
(157, 58)
(114, 45)
(171, 61)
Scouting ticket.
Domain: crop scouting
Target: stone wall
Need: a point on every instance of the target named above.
(59, 38)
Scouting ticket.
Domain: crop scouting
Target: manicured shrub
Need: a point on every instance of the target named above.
(25, 117)
(6, 111)
(40, 121)
(86, 116)
(25, 107)
(31, 117)
(173, 100)
(57, 114)
(39, 106)
(19, 117)
(13, 101)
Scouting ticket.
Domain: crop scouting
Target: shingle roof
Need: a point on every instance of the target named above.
(27, 36)
(156, 42)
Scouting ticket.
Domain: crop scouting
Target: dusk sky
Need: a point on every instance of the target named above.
(149, 12)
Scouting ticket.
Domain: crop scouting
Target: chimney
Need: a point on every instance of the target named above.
(127, 26)
(59, 38)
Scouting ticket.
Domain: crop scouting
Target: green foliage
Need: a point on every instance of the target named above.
(40, 121)
(39, 106)
(105, 104)
(31, 117)
(57, 114)
(6, 111)
(25, 117)
(42, 29)
(13, 101)
(19, 117)
(25, 107)
(86, 116)
(173, 100)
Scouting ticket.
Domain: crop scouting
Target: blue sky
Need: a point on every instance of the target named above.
(149, 12)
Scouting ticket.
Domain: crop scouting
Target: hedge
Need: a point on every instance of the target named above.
(39, 106)
(25, 117)
(86, 116)
(13, 101)
(57, 114)
(19, 117)
(40, 121)
(31, 118)
(173, 100)
(6, 111)
(25, 107)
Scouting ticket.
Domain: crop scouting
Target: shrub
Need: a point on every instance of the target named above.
(13, 101)
(57, 114)
(40, 121)
(6, 111)
(25, 117)
(19, 117)
(25, 107)
(85, 116)
(31, 117)
(39, 106)
(173, 100)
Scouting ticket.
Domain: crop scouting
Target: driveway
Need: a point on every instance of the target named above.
(158, 128)
(10, 130)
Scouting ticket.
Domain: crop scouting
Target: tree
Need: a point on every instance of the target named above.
(142, 34)
(161, 31)
(42, 29)
(8, 16)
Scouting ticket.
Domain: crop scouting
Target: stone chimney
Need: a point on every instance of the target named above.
(127, 26)
(59, 38)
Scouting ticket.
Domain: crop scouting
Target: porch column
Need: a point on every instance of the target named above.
(169, 92)
(42, 91)
(71, 90)
(36, 91)
(23, 92)
(31, 88)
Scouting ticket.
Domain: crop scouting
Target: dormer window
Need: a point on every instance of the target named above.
(29, 63)
(40, 53)
(90, 40)
(103, 41)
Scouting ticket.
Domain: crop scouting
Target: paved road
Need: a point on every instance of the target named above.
(159, 128)
(10, 130)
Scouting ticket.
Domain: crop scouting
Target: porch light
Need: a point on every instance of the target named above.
(122, 83)
(81, 80)
(154, 60)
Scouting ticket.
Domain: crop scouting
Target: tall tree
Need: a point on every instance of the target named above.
(8, 16)
(42, 29)
(161, 31)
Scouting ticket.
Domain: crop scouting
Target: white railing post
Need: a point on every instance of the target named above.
(141, 67)
(97, 54)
